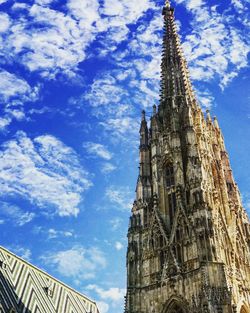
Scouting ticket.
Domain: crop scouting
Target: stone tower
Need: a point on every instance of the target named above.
(189, 236)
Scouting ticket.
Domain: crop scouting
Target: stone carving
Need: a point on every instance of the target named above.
(188, 241)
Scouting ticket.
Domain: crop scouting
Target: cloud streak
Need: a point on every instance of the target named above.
(44, 171)
(77, 262)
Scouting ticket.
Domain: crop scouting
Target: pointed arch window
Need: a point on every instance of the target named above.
(169, 176)
(175, 308)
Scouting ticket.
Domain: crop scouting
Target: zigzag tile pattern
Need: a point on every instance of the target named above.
(26, 289)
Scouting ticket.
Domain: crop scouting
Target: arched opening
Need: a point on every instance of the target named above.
(175, 307)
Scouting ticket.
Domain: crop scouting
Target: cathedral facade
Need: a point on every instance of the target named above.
(189, 235)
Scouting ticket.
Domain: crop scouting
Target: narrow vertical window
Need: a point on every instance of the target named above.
(171, 206)
(170, 181)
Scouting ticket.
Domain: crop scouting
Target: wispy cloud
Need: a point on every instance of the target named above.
(53, 233)
(15, 89)
(116, 223)
(113, 296)
(77, 262)
(205, 98)
(15, 214)
(22, 252)
(108, 168)
(97, 149)
(120, 197)
(118, 245)
(103, 306)
(215, 49)
(2, 1)
(52, 41)
(44, 171)
(14, 93)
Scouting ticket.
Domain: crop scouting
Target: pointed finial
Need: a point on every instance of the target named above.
(208, 115)
(167, 4)
(216, 124)
(154, 109)
(143, 115)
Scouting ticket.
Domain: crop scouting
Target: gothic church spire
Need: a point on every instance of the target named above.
(188, 239)
(175, 80)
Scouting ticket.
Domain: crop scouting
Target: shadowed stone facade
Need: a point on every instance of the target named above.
(189, 236)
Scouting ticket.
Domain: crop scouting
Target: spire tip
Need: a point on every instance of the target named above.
(143, 115)
(167, 4)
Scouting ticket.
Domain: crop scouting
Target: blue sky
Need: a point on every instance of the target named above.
(74, 76)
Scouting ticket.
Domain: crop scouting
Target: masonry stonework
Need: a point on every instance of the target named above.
(189, 236)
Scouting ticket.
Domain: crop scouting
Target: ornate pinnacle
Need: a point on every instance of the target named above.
(167, 4)
(143, 115)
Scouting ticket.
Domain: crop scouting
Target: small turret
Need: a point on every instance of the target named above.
(154, 110)
(167, 4)
(216, 124)
(209, 120)
(143, 131)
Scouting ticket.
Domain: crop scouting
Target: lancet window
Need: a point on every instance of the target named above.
(171, 206)
(169, 176)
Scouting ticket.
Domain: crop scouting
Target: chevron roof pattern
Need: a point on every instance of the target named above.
(27, 289)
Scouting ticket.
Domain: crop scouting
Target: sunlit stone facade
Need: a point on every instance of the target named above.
(189, 236)
(26, 289)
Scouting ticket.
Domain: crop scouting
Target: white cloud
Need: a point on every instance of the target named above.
(52, 233)
(108, 168)
(16, 214)
(110, 297)
(121, 126)
(4, 22)
(215, 48)
(78, 262)
(14, 92)
(44, 171)
(12, 87)
(105, 90)
(114, 294)
(85, 11)
(102, 306)
(206, 100)
(97, 149)
(238, 4)
(17, 114)
(52, 42)
(118, 246)
(44, 2)
(20, 6)
(4, 122)
(3, 1)
(116, 223)
(2, 221)
(127, 11)
(22, 252)
(120, 197)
